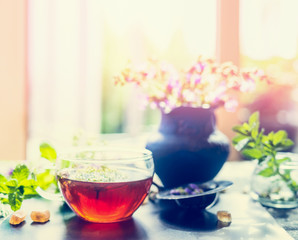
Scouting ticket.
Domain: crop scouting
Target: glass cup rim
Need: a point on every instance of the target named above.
(134, 155)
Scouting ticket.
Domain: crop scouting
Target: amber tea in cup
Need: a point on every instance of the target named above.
(107, 185)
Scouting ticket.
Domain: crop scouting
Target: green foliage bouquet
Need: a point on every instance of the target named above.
(274, 180)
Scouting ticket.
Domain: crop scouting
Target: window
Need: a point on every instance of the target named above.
(269, 39)
(75, 48)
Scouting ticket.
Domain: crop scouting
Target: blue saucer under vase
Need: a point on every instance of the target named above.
(188, 147)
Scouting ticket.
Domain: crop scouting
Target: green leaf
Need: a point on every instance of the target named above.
(4, 200)
(251, 145)
(287, 175)
(246, 127)
(28, 183)
(279, 136)
(21, 172)
(286, 143)
(241, 130)
(21, 190)
(271, 162)
(238, 138)
(12, 185)
(279, 161)
(294, 185)
(241, 144)
(3, 188)
(29, 187)
(45, 179)
(254, 133)
(48, 152)
(29, 193)
(254, 119)
(262, 159)
(270, 136)
(267, 172)
(28, 196)
(265, 139)
(259, 138)
(2, 179)
(254, 124)
(15, 200)
(252, 153)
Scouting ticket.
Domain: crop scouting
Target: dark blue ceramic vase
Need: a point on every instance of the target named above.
(188, 147)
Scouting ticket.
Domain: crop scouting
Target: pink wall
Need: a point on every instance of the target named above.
(12, 80)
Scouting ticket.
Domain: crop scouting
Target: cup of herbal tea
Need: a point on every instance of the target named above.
(105, 186)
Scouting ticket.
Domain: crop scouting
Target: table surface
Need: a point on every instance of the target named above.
(159, 221)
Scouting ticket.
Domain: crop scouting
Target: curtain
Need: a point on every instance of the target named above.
(75, 47)
(64, 59)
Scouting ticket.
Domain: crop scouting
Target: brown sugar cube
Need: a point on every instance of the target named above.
(17, 217)
(224, 218)
(40, 216)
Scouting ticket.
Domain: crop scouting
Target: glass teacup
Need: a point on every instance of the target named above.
(105, 185)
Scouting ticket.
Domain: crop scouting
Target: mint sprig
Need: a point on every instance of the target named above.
(21, 172)
(48, 152)
(254, 144)
(46, 179)
(22, 183)
(17, 187)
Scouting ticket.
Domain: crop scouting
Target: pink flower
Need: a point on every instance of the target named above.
(204, 84)
(231, 105)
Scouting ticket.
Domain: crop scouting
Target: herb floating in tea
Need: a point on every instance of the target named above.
(94, 174)
(254, 144)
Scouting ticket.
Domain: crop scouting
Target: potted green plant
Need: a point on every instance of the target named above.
(273, 182)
